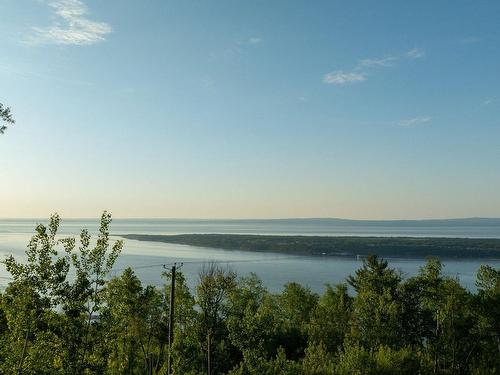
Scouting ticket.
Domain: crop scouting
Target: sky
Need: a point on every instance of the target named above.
(250, 109)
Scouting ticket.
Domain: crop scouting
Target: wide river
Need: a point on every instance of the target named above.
(147, 258)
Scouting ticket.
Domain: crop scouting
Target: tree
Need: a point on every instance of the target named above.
(186, 352)
(5, 118)
(318, 361)
(213, 290)
(330, 319)
(82, 300)
(252, 319)
(296, 305)
(51, 322)
(487, 305)
(279, 365)
(376, 319)
(132, 322)
(382, 360)
(30, 299)
(445, 318)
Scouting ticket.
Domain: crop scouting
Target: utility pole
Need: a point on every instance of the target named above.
(209, 354)
(171, 319)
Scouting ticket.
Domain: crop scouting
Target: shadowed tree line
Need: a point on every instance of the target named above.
(61, 314)
(410, 247)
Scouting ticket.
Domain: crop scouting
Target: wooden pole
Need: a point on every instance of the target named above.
(209, 354)
(171, 321)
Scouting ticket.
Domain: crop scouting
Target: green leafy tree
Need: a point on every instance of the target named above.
(280, 365)
(250, 324)
(330, 321)
(212, 297)
(83, 298)
(187, 353)
(382, 360)
(446, 319)
(49, 316)
(30, 299)
(486, 350)
(376, 320)
(5, 118)
(296, 305)
(132, 322)
(318, 361)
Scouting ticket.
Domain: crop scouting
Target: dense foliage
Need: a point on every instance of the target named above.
(419, 247)
(62, 314)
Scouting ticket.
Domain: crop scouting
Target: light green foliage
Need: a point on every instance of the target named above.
(487, 303)
(445, 318)
(330, 320)
(187, 352)
(358, 360)
(279, 365)
(29, 301)
(353, 360)
(83, 298)
(318, 361)
(376, 320)
(251, 324)
(41, 286)
(132, 321)
(296, 305)
(212, 296)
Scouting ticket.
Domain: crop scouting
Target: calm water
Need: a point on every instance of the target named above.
(274, 269)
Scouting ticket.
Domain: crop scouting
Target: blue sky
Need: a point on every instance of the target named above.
(242, 109)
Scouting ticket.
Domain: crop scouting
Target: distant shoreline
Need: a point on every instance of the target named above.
(345, 246)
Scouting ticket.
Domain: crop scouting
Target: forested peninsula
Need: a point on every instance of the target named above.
(388, 247)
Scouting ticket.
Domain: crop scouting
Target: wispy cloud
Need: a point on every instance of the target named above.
(254, 40)
(384, 62)
(489, 101)
(71, 26)
(415, 53)
(391, 60)
(359, 72)
(27, 71)
(415, 121)
(470, 40)
(340, 78)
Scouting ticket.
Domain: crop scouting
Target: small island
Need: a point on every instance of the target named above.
(352, 246)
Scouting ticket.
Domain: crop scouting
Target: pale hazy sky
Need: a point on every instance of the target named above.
(250, 109)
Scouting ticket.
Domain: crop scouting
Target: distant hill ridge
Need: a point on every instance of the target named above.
(417, 222)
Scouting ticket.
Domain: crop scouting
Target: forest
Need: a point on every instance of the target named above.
(62, 313)
(396, 247)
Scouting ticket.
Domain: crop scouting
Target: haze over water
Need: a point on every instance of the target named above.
(147, 258)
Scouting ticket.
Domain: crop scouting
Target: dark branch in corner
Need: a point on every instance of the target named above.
(5, 118)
